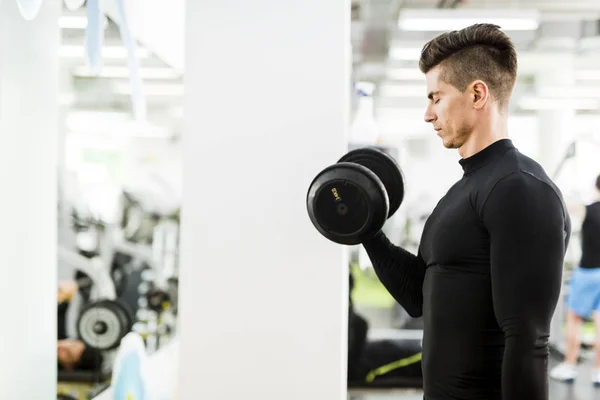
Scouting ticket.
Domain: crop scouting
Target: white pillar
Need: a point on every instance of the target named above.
(28, 131)
(557, 80)
(263, 297)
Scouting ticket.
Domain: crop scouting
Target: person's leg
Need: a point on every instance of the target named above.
(580, 303)
(596, 371)
(596, 315)
(574, 323)
(567, 370)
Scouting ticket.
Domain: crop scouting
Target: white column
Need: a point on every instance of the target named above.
(28, 131)
(556, 124)
(263, 297)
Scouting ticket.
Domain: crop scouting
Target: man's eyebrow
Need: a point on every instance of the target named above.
(431, 94)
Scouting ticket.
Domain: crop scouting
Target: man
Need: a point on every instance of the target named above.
(487, 275)
(583, 296)
(72, 354)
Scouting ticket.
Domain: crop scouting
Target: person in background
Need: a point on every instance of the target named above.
(583, 296)
(72, 354)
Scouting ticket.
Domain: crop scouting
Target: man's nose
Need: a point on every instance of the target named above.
(429, 116)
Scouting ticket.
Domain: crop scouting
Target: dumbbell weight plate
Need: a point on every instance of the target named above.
(386, 169)
(102, 325)
(347, 203)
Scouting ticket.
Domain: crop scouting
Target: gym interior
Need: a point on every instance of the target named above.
(149, 141)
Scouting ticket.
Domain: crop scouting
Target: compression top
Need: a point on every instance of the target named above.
(486, 279)
(590, 237)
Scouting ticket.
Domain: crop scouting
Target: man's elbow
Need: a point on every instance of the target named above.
(527, 339)
(415, 311)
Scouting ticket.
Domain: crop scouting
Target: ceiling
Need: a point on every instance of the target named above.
(568, 31)
(383, 54)
(110, 90)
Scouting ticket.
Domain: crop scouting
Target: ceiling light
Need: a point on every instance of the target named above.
(405, 53)
(404, 74)
(540, 103)
(455, 19)
(395, 90)
(151, 89)
(561, 92)
(112, 124)
(112, 52)
(124, 72)
(77, 22)
(587, 75)
(72, 22)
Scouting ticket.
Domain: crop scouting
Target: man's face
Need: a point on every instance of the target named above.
(448, 110)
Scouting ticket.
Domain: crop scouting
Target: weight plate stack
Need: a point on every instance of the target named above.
(102, 325)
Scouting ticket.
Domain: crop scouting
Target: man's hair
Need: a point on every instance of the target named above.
(598, 182)
(478, 52)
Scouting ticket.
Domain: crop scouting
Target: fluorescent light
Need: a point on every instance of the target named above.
(429, 24)
(587, 75)
(77, 22)
(561, 92)
(124, 72)
(112, 124)
(405, 74)
(72, 22)
(455, 19)
(400, 114)
(540, 103)
(113, 52)
(395, 90)
(151, 89)
(405, 53)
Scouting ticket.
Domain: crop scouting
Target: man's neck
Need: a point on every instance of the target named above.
(479, 141)
(495, 129)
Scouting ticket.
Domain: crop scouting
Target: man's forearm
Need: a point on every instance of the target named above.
(524, 372)
(401, 272)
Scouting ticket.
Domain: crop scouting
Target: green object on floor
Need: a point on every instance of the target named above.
(588, 329)
(368, 290)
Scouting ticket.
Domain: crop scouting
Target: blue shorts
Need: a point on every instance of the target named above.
(583, 296)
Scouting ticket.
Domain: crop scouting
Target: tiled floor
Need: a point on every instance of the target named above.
(581, 390)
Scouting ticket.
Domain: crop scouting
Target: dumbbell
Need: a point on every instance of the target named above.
(349, 202)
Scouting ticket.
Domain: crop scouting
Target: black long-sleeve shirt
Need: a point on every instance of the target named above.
(486, 279)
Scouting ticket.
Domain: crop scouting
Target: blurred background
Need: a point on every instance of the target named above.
(120, 176)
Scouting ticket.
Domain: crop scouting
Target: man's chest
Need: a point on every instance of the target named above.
(454, 234)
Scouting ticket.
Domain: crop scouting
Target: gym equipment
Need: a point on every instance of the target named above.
(157, 299)
(102, 325)
(93, 274)
(386, 169)
(119, 274)
(63, 396)
(349, 202)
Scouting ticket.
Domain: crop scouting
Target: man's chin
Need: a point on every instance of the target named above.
(448, 144)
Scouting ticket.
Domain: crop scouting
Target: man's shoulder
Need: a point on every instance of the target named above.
(515, 164)
(515, 174)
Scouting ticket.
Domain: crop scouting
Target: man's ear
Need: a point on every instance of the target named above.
(479, 93)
